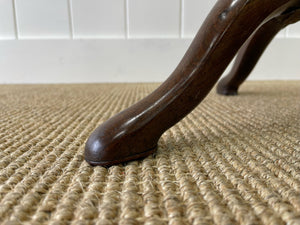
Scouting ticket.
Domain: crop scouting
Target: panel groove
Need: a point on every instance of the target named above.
(126, 19)
(71, 22)
(181, 22)
(15, 19)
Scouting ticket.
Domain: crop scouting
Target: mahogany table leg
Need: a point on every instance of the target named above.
(252, 50)
(134, 132)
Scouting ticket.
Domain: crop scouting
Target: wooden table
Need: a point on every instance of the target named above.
(242, 27)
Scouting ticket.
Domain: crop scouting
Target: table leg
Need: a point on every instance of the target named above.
(134, 132)
(252, 50)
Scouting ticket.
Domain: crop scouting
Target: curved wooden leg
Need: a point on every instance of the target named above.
(252, 50)
(134, 132)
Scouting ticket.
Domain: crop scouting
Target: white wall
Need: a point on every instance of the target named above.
(114, 41)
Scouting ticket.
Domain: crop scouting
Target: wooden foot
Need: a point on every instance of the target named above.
(134, 132)
(252, 50)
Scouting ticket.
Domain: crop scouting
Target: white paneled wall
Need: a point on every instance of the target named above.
(67, 19)
(7, 20)
(293, 31)
(98, 18)
(97, 22)
(194, 13)
(42, 19)
(155, 18)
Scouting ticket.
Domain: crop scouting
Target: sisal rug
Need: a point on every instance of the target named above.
(233, 160)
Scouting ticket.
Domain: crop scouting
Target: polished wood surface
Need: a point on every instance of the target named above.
(134, 132)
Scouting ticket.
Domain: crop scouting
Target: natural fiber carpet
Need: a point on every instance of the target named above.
(233, 160)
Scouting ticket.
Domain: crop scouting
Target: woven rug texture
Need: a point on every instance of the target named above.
(232, 160)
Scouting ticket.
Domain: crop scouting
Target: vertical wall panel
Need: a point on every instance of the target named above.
(98, 18)
(194, 13)
(43, 18)
(294, 30)
(7, 24)
(155, 18)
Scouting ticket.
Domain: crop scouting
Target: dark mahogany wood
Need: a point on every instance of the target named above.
(252, 50)
(134, 132)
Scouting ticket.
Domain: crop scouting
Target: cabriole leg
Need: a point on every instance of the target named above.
(134, 132)
(252, 50)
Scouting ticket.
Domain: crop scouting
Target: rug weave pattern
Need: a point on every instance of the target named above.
(233, 160)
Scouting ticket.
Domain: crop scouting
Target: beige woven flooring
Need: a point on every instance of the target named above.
(233, 160)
